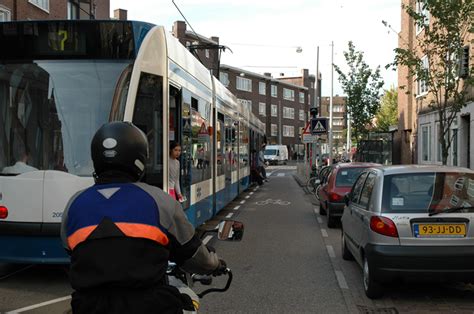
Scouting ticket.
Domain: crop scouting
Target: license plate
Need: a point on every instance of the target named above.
(439, 230)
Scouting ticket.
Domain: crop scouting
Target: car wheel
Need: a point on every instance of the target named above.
(372, 289)
(331, 223)
(346, 254)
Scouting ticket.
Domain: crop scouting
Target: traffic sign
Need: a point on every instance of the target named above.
(306, 136)
(319, 126)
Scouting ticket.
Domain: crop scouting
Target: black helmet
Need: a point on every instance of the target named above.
(120, 146)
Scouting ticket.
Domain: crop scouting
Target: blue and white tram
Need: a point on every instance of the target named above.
(61, 80)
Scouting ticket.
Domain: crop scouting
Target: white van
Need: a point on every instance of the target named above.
(276, 154)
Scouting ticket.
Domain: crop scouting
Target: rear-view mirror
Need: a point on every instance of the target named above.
(230, 230)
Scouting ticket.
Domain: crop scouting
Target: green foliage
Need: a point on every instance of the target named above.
(362, 86)
(388, 112)
(446, 26)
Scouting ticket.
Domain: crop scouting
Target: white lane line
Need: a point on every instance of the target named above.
(315, 210)
(247, 197)
(236, 207)
(281, 175)
(341, 280)
(324, 232)
(269, 173)
(230, 215)
(251, 193)
(242, 202)
(319, 220)
(207, 239)
(31, 307)
(331, 252)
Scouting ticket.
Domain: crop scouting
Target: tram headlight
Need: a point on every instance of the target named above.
(3, 212)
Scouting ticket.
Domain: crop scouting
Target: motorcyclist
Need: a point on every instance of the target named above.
(121, 233)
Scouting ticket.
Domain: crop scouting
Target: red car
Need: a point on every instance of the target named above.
(335, 186)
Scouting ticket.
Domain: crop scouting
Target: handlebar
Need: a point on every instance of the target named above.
(228, 272)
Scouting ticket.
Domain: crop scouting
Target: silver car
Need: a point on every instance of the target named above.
(410, 221)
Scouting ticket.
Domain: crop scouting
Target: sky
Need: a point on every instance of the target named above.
(264, 34)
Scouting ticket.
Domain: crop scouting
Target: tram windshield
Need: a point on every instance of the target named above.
(50, 109)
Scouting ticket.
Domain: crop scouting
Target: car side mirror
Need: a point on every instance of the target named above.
(230, 230)
(347, 199)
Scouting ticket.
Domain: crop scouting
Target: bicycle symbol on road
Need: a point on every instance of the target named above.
(270, 201)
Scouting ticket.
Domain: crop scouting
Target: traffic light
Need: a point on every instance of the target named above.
(313, 111)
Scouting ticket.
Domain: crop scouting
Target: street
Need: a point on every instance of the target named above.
(288, 261)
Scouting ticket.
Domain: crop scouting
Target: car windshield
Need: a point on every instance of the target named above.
(270, 152)
(49, 111)
(346, 176)
(427, 192)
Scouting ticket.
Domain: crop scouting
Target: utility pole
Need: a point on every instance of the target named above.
(348, 143)
(314, 109)
(330, 105)
(280, 127)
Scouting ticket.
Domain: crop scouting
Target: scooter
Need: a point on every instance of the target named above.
(227, 230)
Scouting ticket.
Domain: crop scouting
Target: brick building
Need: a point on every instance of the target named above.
(12, 10)
(416, 139)
(281, 103)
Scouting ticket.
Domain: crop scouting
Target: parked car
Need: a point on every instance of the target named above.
(412, 222)
(275, 154)
(338, 183)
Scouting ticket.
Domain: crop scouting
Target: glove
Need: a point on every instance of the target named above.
(221, 269)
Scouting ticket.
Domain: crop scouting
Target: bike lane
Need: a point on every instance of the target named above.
(282, 264)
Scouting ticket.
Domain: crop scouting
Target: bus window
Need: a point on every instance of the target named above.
(148, 116)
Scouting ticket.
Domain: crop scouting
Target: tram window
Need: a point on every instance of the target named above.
(244, 146)
(148, 116)
(220, 143)
(201, 141)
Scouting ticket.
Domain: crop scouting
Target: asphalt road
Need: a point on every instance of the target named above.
(288, 261)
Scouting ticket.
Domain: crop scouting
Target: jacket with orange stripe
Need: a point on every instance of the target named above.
(121, 235)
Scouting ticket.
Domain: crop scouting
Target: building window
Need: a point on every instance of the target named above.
(426, 142)
(274, 91)
(301, 98)
(262, 88)
(337, 108)
(302, 115)
(288, 131)
(262, 109)
(274, 129)
(288, 113)
(42, 4)
(422, 84)
(338, 122)
(288, 94)
(244, 84)
(274, 112)
(207, 53)
(421, 9)
(224, 78)
(245, 103)
(72, 10)
(5, 14)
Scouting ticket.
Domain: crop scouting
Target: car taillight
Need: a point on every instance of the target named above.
(3, 212)
(384, 226)
(334, 197)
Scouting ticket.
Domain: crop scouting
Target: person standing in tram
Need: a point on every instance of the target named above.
(174, 188)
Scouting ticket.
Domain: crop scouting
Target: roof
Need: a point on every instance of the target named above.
(422, 168)
(260, 76)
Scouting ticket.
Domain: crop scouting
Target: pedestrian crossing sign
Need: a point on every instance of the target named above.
(318, 126)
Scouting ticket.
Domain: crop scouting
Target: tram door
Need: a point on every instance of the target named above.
(180, 131)
(148, 116)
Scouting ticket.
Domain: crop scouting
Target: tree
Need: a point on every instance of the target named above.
(439, 61)
(388, 112)
(362, 86)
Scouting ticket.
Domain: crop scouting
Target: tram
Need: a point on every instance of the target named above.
(61, 80)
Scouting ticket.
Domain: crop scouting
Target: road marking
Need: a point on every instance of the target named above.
(34, 306)
(315, 210)
(247, 197)
(269, 174)
(319, 220)
(324, 232)
(341, 280)
(331, 252)
(251, 193)
(236, 207)
(207, 239)
(230, 215)
(281, 174)
(242, 202)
